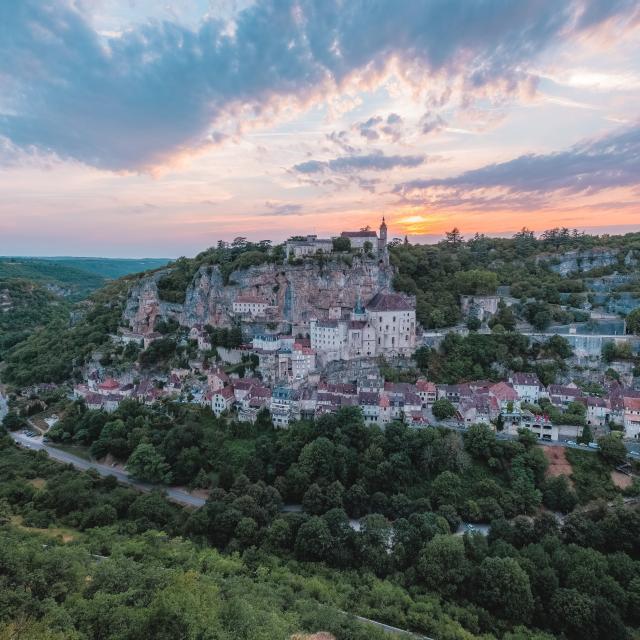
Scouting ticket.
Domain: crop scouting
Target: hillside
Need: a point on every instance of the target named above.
(554, 278)
(25, 306)
(70, 277)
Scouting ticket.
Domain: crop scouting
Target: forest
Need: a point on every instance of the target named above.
(438, 274)
(155, 565)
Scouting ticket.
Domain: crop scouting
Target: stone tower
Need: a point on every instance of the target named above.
(382, 240)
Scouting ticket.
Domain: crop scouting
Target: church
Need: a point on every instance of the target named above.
(363, 239)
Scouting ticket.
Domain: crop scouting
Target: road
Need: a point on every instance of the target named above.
(175, 495)
(4, 407)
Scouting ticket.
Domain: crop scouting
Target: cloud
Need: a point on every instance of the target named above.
(350, 164)
(158, 90)
(282, 209)
(432, 123)
(589, 167)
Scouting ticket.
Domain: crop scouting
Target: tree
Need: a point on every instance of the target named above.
(145, 463)
(13, 422)
(453, 237)
(341, 244)
(587, 435)
(313, 540)
(442, 564)
(443, 409)
(633, 322)
(503, 588)
(557, 494)
(476, 282)
(612, 450)
(367, 246)
(479, 440)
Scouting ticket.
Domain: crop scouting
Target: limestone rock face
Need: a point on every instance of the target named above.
(582, 261)
(296, 293)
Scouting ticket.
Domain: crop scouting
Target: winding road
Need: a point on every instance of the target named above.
(173, 494)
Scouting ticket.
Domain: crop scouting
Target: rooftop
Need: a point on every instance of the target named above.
(389, 302)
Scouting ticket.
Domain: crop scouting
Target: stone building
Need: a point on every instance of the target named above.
(385, 326)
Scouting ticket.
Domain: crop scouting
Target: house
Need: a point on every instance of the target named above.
(222, 400)
(300, 247)
(631, 417)
(482, 408)
(563, 395)
(598, 410)
(427, 391)
(527, 386)
(450, 392)
(108, 386)
(252, 305)
(303, 361)
(540, 425)
(217, 379)
(283, 406)
(505, 395)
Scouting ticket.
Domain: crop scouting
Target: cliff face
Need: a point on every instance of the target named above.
(297, 293)
(582, 261)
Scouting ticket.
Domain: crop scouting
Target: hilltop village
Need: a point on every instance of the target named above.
(322, 332)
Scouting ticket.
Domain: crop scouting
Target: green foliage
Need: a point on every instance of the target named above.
(30, 306)
(443, 409)
(52, 353)
(145, 463)
(612, 449)
(633, 322)
(240, 254)
(157, 575)
(479, 356)
(341, 244)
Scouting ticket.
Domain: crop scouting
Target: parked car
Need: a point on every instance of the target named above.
(573, 443)
(594, 445)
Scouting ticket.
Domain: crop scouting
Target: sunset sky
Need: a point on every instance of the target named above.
(156, 128)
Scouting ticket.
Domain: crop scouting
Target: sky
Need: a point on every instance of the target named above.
(133, 128)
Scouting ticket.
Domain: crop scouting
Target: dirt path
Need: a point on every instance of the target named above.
(558, 463)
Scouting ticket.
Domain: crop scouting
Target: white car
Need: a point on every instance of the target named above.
(573, 443)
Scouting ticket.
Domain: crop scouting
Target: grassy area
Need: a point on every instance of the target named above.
(592, 478)
(63, 533)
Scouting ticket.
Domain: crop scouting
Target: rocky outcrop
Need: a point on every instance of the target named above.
(581, 261)
(296, 293)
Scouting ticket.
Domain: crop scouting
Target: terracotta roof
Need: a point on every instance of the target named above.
(109, 384)
(633, 404)
(503, 391)
(389, 302)
(251, 299)
(425, 386)
(226, 392)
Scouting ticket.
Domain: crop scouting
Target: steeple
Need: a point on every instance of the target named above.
(383, 233)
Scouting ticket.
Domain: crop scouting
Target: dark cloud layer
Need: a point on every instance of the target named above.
(589, 167)
(349, 164)
(136, 100)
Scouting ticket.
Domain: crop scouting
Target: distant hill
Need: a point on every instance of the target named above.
(109, 268)
(37, 292)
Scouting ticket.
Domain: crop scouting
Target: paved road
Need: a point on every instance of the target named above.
(176, 495)
(4, 407)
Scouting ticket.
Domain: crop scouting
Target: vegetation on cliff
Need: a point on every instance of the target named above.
(52, 352)
(438, 274)
(26, 306)
(228, 257)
